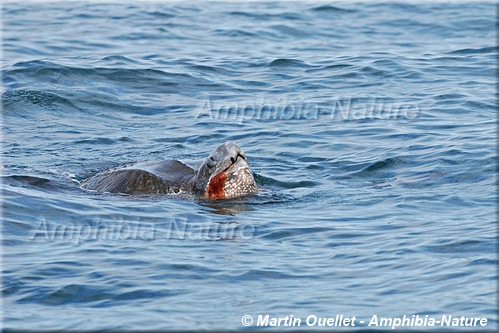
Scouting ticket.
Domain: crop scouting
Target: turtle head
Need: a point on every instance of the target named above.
(225, 174)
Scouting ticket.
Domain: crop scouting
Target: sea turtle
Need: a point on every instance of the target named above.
(224, 174)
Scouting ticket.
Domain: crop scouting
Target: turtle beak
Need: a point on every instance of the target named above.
(234, 161)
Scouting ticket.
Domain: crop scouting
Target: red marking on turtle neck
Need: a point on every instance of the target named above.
(216, 187)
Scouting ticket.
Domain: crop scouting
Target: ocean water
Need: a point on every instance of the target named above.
(370, 127)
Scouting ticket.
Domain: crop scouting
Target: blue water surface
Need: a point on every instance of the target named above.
(370, 128)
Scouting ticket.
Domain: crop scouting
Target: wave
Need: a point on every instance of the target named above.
(17, 99)
(284, 62)
(331, 9)
(480, 50)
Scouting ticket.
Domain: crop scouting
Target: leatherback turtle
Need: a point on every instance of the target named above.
(224, 174)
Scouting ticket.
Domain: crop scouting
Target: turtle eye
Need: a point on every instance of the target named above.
(211, 162)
